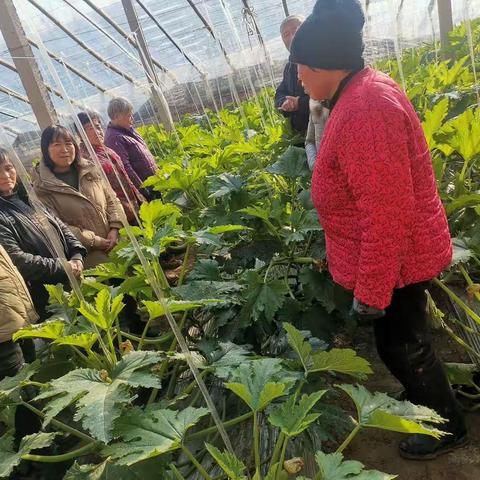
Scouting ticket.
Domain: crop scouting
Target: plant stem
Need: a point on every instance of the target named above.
(277, 450)
(349, 439)
(149, 341)
(184, 265)
(144, 333)
(61, 425)
(119, 334)
(200, 469)
(458, 300)
(256, 442)
(79, 452)
(176, 472)
(282, 455)
(226, 425)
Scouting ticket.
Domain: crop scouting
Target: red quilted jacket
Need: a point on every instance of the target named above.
(375, 192)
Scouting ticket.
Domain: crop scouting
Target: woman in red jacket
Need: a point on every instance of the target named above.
(374, 188)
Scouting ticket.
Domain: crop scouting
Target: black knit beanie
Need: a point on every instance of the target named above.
(331, 37)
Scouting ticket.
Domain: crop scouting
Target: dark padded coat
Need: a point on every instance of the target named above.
(292, 87)
(30, 248)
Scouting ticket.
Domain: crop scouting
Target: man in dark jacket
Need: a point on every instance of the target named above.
(290, 98)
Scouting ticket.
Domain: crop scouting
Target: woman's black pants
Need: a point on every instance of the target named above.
(404, 343)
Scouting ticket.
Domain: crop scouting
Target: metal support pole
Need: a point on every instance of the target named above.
(285, 8)
(158, 98)
(26, 65)
(445, 17)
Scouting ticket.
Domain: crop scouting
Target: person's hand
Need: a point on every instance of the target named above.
(77, 268)
(112, 237)
(366, 313)
(290, 104)
(103, 244)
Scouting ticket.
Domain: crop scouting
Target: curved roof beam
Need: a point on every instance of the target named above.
(174, 43)
(212, 33)
(51, 89)
(12, 93)
(82, 44)
(72, 68)
(124, 34)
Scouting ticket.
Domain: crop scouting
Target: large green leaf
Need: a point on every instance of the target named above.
(9, 459)
(461, 373)
(51, 329)
(340, 360)
(106, 310)
(155, 431)
(434, 119)
(263, 298)
(110, 471)
(159, 309)
(256, 382)
(157, 213)
(10, 386)
(229, 463)
(292, 164)
(334, 467)
(225, 184)
(336, 360)
(82, 340)
(293, 418)
(99, 397)
(318, 286)
(378, 410)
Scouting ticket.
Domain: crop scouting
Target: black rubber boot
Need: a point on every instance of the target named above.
(405, 345)
(424, 447)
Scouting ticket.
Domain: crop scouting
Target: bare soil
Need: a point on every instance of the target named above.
(379, 449)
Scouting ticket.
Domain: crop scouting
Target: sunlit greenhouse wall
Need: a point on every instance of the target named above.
(207, 53)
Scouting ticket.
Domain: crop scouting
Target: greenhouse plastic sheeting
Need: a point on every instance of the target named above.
(196, 57)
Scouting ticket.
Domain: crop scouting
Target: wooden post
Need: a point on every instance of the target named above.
(157, 95)
(26, 65)
(445, 17)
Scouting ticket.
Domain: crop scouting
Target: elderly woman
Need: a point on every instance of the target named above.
(75, 189)
(30, 243)
(112, 165)
(316, 126)
(121, 137)
(375, 191)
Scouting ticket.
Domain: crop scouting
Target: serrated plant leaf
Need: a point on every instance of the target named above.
(293, 418)
(82, 340)
(301, 347)
(378, 410)
(334, 467)
(155, 431)
(99, 398)
(105, 312)
(9, 459)
(229, 463)
(156, 213)
(50, 329)
(226, 229)
(340, 360)
(10, 386)
(257, 383)
(292, 164)
(159, 309)
(264, 298)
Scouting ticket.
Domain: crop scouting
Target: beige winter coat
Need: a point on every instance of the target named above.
(90, 212)
(16, 307)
